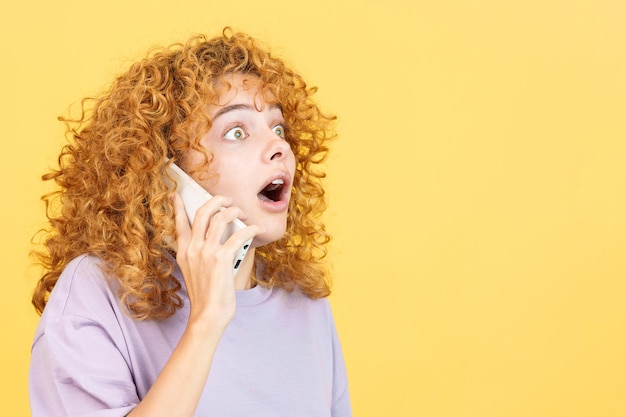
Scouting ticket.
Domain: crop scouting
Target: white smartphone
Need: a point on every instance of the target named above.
(194, 196)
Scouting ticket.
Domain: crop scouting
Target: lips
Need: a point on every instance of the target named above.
(273, 190)
(275, 193)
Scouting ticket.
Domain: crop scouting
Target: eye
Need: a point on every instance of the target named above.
(236, 133)
(279, 130)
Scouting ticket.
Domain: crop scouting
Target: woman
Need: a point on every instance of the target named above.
(142, 314)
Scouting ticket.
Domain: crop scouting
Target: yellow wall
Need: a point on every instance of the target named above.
(477, 191)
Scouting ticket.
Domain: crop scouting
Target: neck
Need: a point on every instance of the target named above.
(243, 278)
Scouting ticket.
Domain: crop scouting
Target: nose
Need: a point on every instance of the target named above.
(277, 148)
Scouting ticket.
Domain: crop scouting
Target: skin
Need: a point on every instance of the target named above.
(247, 142)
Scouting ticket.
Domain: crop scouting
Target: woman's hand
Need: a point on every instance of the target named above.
(207, 267)
(206, 263)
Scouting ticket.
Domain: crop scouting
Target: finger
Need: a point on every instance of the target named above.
(224, 255)
(183, 230)
(241, 236)
(220, 222)
(202, 220)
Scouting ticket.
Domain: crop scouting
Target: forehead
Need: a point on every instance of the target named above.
(235, 87)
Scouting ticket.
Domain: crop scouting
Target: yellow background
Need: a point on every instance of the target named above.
(477, 189)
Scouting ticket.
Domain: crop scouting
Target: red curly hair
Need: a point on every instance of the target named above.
(112, 202)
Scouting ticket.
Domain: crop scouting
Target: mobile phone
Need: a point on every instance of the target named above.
(194, 196)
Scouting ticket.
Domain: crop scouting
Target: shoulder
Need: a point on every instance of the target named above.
(83, 289)
(296, 304)
(84, 297)
(297, 298)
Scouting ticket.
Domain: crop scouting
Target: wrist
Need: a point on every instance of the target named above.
(208, 325)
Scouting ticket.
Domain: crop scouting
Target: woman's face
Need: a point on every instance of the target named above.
(252, 162)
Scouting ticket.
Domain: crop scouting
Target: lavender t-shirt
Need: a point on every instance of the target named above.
(280, 355)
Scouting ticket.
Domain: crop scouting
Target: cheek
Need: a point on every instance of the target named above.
(234, 169)
(230, 176)
(292, 161)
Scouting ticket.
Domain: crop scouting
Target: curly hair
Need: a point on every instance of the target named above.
(111, 200)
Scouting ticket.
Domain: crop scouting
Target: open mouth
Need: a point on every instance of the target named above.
(273, 191)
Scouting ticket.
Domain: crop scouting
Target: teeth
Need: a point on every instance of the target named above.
(278, 181)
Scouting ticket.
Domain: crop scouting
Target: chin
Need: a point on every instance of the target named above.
(268, 237)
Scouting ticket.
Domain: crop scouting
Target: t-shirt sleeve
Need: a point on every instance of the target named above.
(76, 370)
(80, 365)
(341, 395)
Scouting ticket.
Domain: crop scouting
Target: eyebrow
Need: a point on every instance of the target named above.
(234, 107)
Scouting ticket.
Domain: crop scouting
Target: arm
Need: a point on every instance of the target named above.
(80, 364)
(207, 269)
